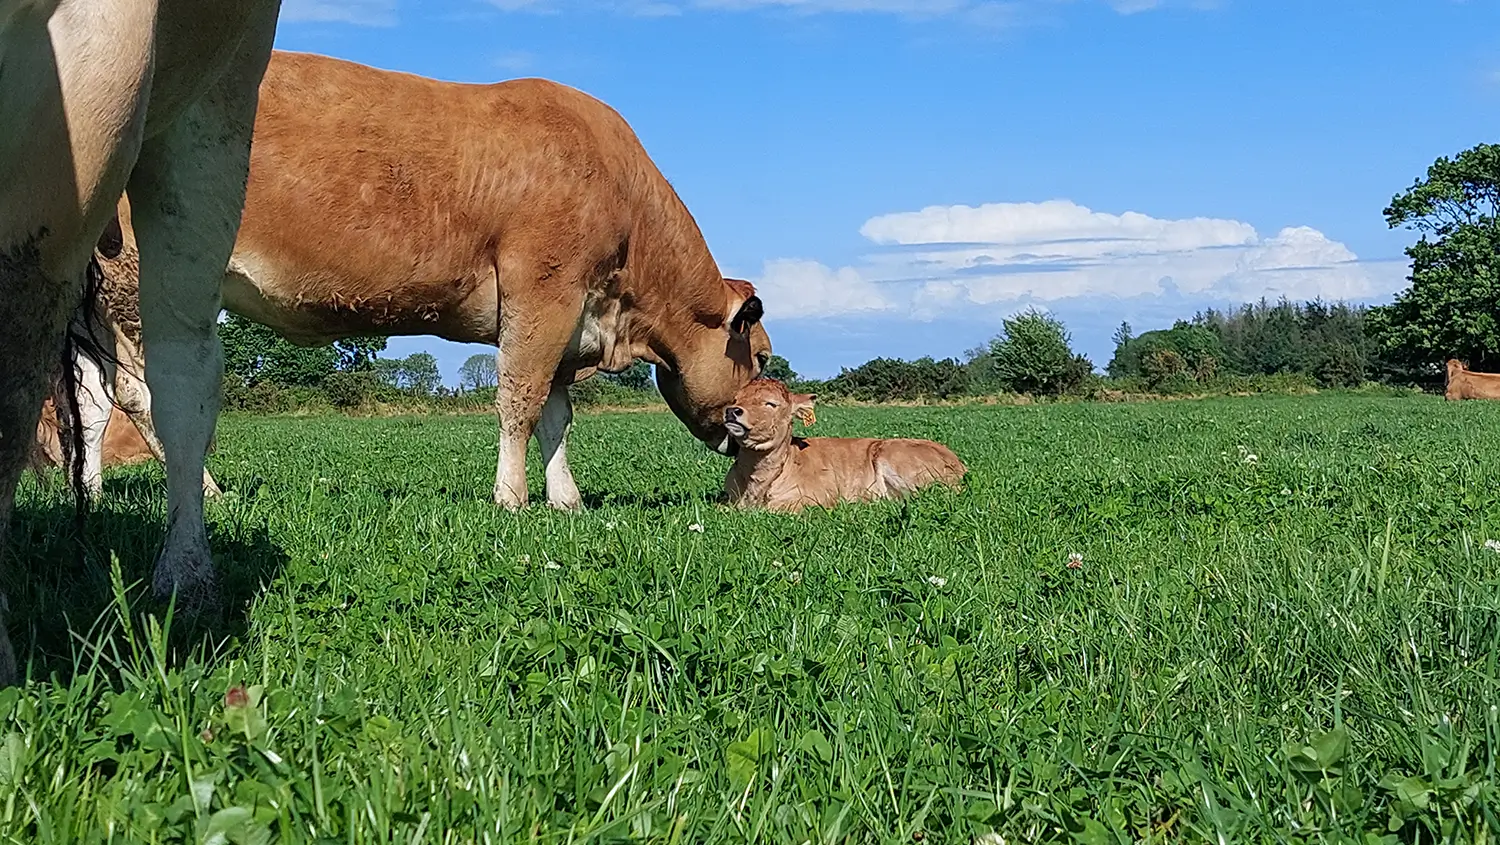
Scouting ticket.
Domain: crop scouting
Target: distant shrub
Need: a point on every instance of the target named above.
(895, 380)
(351, 390)
(1033, 355)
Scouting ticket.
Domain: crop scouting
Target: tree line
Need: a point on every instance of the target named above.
(1450, 309)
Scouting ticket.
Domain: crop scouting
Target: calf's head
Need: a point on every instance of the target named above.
(723, 353)
(761, 417)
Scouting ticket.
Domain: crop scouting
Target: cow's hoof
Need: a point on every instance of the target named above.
(191, 577)
(210, 487)
(505, 499)
(567, 505)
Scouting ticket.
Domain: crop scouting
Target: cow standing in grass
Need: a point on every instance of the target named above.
(95, 96)
(523, 214)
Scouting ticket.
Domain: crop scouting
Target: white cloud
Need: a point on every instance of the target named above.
(950, 260)
(357, 12)
(797, 289)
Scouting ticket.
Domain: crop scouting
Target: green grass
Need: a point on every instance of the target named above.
(1298, 647)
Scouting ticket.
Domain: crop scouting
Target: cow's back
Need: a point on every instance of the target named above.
(380, 191)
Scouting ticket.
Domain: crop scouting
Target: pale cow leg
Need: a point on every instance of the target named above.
(552, 436)
(186, 196)
(133, 397)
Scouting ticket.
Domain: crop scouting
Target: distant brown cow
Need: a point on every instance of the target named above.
(779, 472)
(123, 444)
(1466, 384)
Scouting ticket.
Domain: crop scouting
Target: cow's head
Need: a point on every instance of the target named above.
(722, 354)
(761, 417)
(1455, 369)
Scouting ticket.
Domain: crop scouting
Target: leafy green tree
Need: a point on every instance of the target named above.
(637, 377)
(358, 354)
(416, 374)
(1122, 339)
(1452, 308)
(780, 369)
(478, 372)
(254, 353)
(1033, 354)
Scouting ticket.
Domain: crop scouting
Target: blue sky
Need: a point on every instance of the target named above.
(897, 176)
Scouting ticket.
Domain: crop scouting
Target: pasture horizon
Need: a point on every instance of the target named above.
(1258, 141)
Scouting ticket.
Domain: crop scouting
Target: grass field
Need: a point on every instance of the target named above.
(1285, 627)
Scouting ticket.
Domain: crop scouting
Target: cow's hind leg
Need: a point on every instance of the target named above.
(186, 196)
(552, 436)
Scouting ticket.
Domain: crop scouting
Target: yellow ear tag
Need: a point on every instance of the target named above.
(807, 416)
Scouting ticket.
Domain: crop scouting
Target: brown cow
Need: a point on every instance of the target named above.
(1467, 384)
(97, 96)
(779, 472)
(523, 214)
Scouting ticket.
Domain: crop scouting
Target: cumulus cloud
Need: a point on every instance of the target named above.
(357, 12)
(949, 260)
(796, 288)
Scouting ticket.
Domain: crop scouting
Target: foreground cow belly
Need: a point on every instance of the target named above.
(524, 215)
(99, 94)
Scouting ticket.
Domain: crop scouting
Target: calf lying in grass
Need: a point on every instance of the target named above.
(1464, 383)
(779, 472)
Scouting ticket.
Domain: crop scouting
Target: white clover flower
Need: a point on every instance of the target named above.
(553, 565)
(696, 528)
(1286, 491)
(937, 581)
(1075, 560)
(1250, 458)
(1492, 545)
(794, 576)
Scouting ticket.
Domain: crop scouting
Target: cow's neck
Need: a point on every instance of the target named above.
(680, 289)
(755, 473)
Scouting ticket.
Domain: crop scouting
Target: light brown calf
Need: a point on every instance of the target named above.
(779, 472)
(1467, 384)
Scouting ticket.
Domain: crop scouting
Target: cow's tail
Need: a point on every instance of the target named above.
(82, 338)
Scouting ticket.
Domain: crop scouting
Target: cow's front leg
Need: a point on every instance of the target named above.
(186, 195)
(552, 436)
(537, 321)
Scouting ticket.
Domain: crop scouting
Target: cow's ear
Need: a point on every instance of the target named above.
(112, 241)
(802, 407)
(748, 315)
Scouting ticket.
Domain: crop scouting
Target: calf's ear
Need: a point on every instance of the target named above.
(802, 408)
(748, 315)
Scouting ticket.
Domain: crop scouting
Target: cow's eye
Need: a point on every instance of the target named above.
(763, 359)
(772, 405)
